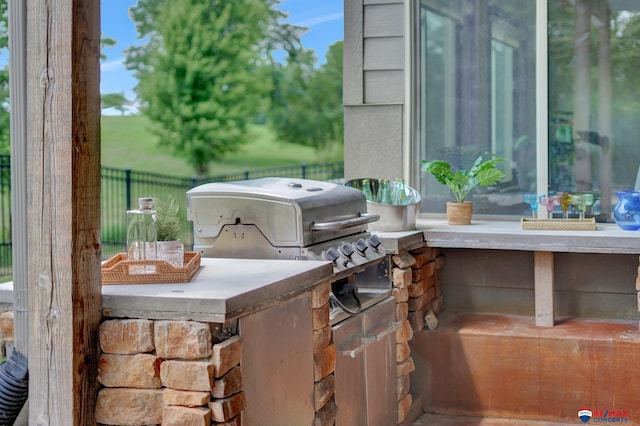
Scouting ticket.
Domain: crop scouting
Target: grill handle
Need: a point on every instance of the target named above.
(363, 219)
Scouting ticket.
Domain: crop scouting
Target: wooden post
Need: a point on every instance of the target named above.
(543, 288)
(63, 159)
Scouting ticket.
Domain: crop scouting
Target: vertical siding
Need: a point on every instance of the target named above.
(373, 42)
(384, 53)
(374, 87)
(353, 86)
(384, 20)
(384, 87)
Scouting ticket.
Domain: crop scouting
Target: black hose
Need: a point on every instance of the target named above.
(14, 387)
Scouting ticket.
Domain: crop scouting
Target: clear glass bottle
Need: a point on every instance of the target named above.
(366, 189)
(141, 231)
(384, 191)
(399, 194)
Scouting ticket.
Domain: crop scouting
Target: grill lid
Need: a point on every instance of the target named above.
(289, 212)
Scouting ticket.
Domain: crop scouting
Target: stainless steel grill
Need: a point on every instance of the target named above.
(286, 218)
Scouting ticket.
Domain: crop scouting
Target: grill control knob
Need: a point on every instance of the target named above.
(374, 242)
(332, 255)
(347, 249)
(361, 246)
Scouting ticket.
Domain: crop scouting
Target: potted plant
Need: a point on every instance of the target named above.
(168, 228)
(461, 182)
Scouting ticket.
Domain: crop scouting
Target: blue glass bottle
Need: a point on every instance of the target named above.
(627, 210)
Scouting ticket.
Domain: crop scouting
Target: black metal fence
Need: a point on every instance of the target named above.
(121, 189)
(5, 215)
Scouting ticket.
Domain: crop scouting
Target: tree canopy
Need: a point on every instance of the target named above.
(118, 101)
(204, 74)
(307, 101)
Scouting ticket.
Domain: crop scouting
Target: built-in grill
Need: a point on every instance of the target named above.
(282, 218)
(286, 218)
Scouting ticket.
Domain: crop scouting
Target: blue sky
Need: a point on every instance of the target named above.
(324, 18)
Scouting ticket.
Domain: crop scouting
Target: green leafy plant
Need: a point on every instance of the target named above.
(461, 182)
(168, 225)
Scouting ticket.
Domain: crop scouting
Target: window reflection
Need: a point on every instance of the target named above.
(477, 95)
(477, 87)
(593, 97)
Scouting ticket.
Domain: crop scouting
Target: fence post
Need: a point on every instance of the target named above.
(246, 175)
(304, 171)
(127, 185)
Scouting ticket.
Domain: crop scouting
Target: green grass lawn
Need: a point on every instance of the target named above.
(127, 141)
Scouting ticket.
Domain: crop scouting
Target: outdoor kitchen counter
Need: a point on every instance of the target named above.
(222, 290)
(509, 235)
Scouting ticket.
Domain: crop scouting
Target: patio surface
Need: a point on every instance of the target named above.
(442, 420)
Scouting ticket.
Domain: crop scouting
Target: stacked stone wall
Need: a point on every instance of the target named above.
(324, 357)
(169, 373)
(7, 339)
(418, 295)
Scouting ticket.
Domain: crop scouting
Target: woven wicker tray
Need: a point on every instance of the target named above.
(119, 270)
(587, 224)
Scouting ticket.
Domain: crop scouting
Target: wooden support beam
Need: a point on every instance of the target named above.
(543, 283)
(63, 217)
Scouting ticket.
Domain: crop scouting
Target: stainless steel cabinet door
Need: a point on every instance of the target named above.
(277, 364)
(351, 395)
(366, 385)
(380, 364)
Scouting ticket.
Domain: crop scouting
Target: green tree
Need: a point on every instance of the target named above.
(118, 101)
(327, 89)
(4, 77)
(307, 101)
(106, 42)
(203, 75)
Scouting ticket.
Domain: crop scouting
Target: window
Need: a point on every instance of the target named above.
(478, 65)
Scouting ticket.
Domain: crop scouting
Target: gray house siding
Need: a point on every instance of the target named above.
(374, 87)
(374, 147)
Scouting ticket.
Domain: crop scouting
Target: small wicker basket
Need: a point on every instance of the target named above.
(119, 270)
(532, 224)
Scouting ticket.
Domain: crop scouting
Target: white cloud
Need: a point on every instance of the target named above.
(116, 65)
(320, 19)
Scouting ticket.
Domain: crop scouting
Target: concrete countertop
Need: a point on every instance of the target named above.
(397, 242)
(222, 290)
(509, 235)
